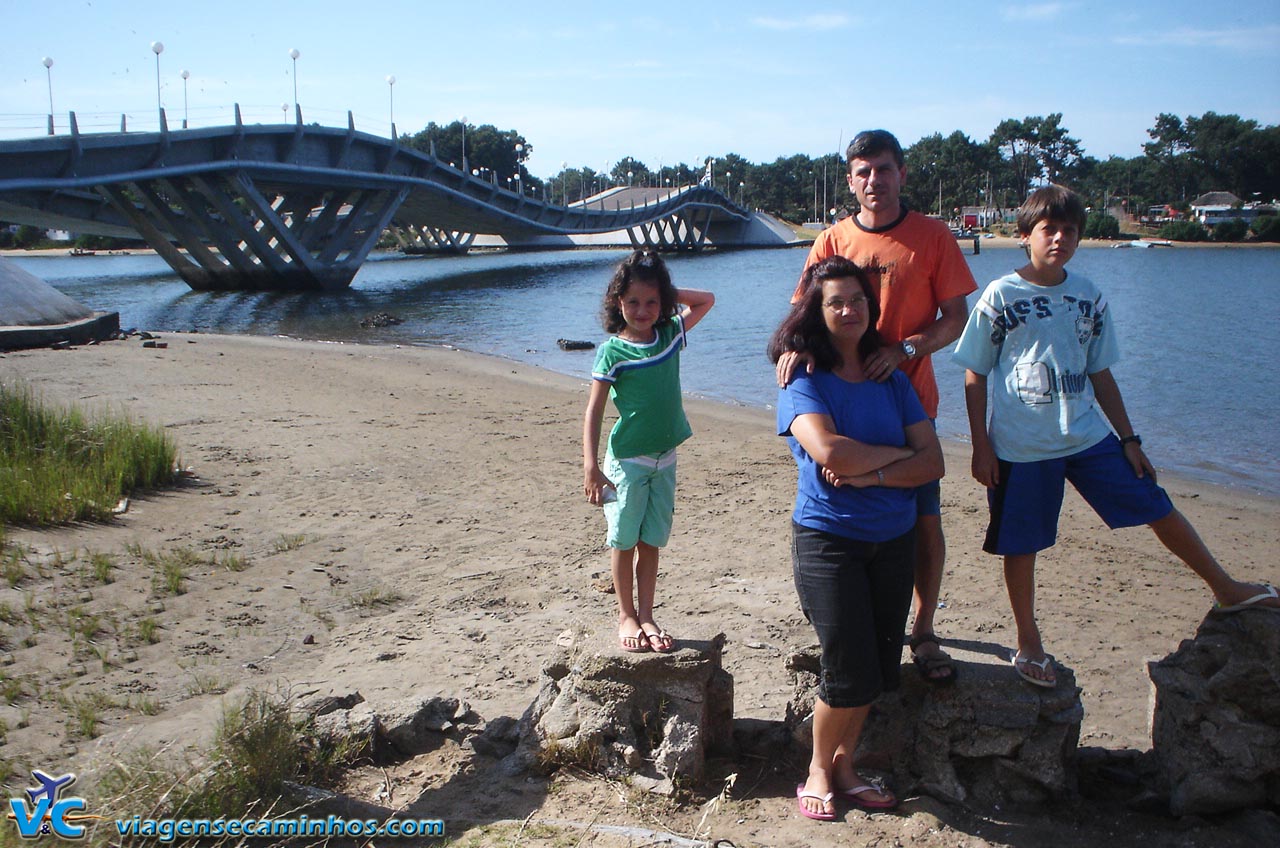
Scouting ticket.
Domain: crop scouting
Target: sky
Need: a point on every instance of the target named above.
(589, 83)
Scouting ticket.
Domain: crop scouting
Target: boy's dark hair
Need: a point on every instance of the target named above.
(869, 143)
(644, 266)
(1053, 203)
(805, 331)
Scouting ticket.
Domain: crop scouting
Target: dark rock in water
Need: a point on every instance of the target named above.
(380, 319)
(570, 344)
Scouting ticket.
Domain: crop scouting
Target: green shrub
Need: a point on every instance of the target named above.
(28, 236)
(1232, 230)
(92, 242)
(58, 466)
(1183, 231)
(1100, 225)
(1267, 228)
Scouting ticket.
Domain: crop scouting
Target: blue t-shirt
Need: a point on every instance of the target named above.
(1038, 345)
(870, 412)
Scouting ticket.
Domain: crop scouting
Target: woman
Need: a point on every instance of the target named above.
(861, 447)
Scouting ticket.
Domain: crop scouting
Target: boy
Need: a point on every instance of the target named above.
(1046, 336)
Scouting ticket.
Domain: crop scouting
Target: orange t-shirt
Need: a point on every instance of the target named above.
(917, 264)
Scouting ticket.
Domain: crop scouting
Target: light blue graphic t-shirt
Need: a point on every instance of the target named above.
(1038, 345)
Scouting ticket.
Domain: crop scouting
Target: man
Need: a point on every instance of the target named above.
(923, 279)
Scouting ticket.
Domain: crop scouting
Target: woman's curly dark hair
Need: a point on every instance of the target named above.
(805, 331)
(644, 266)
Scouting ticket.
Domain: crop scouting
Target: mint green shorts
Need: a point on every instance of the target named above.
(646, 499)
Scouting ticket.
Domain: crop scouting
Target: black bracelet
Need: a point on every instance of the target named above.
(1135, 438)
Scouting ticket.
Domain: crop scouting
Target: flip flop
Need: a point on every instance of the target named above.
(852, 796)
(662, 639)
(810, 814)
(928, 665)
(641, 641)
(1268, 592)
(1018, 661)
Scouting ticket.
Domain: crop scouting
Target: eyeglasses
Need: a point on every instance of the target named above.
(837, 305)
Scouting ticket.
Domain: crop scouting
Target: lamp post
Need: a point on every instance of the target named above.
(157, 48)
(48, 72)
(186, 75)
(630, 174)
(564, 183)
(294, 53)
(742, 193)
(728, 192)
(463, 120)
(519, 156)
(391, 94)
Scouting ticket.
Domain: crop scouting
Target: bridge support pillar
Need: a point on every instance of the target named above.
(423, 238)
(679, 231)
(225, 233)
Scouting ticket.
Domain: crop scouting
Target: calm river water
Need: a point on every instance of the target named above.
(1198, 329)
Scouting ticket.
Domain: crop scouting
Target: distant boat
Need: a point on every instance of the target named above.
(79, 251)
(1145, 243)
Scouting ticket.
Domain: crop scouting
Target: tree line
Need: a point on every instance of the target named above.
(1185, 157)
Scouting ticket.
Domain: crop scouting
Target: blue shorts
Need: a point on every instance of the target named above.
(646, 503)
(929, 496)
(1026, 503)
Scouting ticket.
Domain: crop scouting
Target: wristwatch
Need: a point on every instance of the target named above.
(1135, 438)
(909, 349)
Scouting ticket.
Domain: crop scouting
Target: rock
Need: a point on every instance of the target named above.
(596, 703)
(356, 729)
(380, 319)
(571, 344)
(414, 725)
(315, 704)
(498, 739)
(1215, 726)
(985, 740)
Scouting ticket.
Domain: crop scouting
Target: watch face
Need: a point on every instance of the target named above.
(909, 349)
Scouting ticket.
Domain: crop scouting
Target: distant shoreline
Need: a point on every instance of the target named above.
(993, 241)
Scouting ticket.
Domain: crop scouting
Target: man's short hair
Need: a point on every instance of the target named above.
(869, 143)
(1052, 203)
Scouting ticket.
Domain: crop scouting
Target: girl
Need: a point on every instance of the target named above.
(639, 368)
(861, 447)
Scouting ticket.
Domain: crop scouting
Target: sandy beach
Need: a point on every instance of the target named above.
(409, 520)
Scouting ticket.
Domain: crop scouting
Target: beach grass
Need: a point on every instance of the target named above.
(61, 465)
(259, 745)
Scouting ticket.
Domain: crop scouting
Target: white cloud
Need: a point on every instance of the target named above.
(1254, 38)
(1033, 12)
(808, 22)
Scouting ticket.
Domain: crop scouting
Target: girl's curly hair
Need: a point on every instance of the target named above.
(645, 266)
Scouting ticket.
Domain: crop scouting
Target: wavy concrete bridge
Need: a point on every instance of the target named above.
(301, 207)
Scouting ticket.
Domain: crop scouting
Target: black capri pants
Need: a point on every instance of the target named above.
(856, 595)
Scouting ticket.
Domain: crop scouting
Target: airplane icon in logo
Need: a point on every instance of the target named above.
(49, 786)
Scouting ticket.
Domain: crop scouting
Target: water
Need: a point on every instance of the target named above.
(1197, 328)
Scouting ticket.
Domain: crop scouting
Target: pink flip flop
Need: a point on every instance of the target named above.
(852, 795)
(809, 814)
